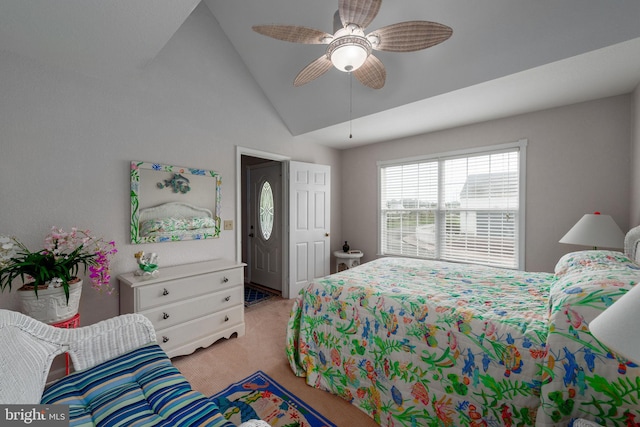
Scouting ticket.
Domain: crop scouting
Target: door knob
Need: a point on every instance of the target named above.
(326, 234)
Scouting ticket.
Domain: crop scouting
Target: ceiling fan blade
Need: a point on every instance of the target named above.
(410, 36)
(313, 71)
(359, 12)
(294, 33)
(371, 73)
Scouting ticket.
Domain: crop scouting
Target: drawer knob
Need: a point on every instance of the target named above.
(165, 292)
(165, 316)
(226, 318)
(227, 298)
(225, 280)
(165, 339)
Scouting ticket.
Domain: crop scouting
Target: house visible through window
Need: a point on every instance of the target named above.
(463, 206)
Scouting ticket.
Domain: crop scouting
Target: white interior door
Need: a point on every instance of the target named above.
(309, 223)
(265, 230)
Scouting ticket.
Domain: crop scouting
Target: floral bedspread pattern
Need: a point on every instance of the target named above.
(427, 343)
(582, 378)
(415, 343)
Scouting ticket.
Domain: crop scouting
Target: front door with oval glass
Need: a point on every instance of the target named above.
(265, 233)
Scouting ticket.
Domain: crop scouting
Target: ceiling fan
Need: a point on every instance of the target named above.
(349, 49)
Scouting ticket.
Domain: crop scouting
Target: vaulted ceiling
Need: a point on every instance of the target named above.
(505, 56)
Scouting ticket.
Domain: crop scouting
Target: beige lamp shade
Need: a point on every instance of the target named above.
(595, 230)
(618, 327)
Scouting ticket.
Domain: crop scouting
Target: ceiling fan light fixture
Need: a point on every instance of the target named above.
(349, 57)
(349, 49)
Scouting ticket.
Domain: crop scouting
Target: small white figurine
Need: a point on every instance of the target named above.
(148, 265)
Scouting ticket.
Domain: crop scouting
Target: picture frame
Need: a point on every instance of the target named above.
(174, 203)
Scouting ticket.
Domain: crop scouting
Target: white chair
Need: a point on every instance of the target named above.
(29, 347)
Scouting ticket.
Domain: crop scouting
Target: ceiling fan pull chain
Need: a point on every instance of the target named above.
(350, 103)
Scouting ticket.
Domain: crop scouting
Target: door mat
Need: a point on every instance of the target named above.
(260, 397)
(254, 294)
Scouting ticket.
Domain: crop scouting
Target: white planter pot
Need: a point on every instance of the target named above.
(50, 306)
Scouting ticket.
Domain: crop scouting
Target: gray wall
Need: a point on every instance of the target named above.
(66, 141)
(578, 161)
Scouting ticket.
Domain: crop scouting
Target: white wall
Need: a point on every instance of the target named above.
(66, 141)
(634, 218)
(577, 163)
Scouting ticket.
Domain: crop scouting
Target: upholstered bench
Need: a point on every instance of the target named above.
(123, 377)
(141, 387)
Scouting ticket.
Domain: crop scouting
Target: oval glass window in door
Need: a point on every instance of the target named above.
(266, 210)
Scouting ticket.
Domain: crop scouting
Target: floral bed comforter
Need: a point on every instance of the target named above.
(427, 343)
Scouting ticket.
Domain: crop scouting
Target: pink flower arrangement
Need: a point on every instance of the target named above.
(59, 263)
(62, 245)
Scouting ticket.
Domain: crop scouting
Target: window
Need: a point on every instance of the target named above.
(266, 210)
(462, 206)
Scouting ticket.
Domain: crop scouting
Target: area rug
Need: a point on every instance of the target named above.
(254, 294)
(260, 397)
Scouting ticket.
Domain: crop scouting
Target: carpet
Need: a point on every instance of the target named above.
(254, 294)
(259, 396)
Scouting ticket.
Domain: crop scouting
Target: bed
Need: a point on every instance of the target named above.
(426, 343)
(177, 221)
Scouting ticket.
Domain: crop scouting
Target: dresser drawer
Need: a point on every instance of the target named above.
(185, 334)
(182, 311)
(160, 294)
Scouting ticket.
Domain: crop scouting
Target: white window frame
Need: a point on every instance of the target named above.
(521, 145)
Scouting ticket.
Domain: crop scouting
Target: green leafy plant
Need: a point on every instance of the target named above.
(58, 263)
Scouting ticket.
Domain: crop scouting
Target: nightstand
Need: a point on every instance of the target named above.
(346, 260)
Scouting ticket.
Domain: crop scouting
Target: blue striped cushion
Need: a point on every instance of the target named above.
(140, 388)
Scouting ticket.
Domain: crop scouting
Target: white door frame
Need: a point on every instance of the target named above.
(243, 151)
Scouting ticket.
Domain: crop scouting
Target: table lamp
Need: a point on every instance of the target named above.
(618, 327)
(595, 230)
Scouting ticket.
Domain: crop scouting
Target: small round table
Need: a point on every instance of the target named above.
(346, 260)
(72, 323)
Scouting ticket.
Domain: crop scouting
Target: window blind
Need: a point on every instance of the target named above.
(457, 207)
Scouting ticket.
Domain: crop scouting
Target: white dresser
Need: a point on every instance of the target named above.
(190, 305)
